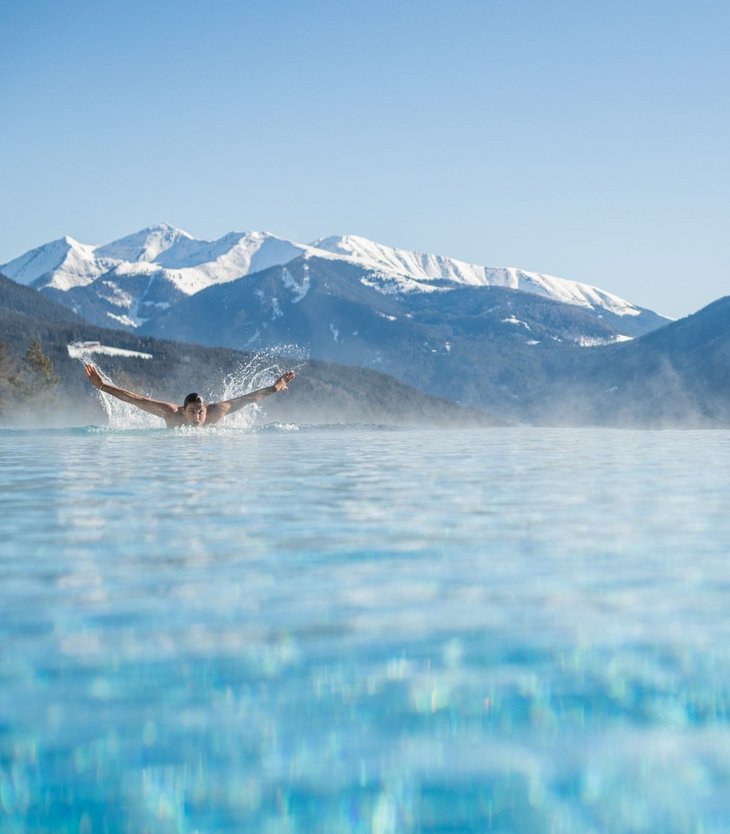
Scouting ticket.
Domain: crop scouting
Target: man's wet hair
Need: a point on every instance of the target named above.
(193, 398)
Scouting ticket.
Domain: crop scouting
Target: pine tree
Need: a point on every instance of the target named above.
(31, 381)
(8, 372)
(41, 367)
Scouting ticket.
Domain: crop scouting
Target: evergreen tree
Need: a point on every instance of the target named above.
(8, 372)
(41, 367)
(29, 382)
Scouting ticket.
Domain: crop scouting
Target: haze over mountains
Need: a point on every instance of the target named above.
(526, 347)
(169, 370)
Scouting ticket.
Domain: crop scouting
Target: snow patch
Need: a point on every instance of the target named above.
(588, 341)
(276, 312)
(127, 321)
(115, 295)
(299, 290)
(79, 350)
(398, 284)
(515, 320)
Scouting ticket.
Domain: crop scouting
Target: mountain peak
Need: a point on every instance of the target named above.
(145, 245)
(46, 259)
(343, 243)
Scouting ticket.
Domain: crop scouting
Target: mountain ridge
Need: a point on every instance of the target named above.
(673, 377)
(117, 271)
(338, 311)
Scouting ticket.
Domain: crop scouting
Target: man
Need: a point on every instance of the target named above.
(194, 411)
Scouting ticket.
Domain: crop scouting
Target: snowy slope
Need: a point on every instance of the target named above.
(63, 263)
(425, 267)
(190, 264)
(126, 281)
(146, 245)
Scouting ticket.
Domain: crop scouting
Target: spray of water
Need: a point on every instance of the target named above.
(120, 415)
(259, 371)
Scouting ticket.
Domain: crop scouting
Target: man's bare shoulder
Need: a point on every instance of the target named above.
(174, 419)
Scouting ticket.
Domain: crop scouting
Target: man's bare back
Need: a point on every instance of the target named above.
(194, 411)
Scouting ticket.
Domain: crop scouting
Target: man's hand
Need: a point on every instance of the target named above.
(281, 382)
(94, 376)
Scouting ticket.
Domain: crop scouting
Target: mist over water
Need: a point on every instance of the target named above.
(306, 630)
(260, 370)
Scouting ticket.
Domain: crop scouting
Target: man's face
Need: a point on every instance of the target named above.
(194, 414)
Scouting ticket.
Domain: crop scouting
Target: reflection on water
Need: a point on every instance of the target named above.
(364, 631)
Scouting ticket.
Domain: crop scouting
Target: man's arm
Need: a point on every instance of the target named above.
(156, 407)
(216, 411)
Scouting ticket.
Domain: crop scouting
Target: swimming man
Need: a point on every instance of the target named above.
(194, 411)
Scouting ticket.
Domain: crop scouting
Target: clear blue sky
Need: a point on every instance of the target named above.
(587, 139)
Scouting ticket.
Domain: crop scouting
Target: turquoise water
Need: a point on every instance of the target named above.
(367, 630)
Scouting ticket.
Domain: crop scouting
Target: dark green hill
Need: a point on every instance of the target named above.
(323, 392)
(26, 302)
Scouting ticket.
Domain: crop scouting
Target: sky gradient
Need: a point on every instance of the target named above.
(588, 140)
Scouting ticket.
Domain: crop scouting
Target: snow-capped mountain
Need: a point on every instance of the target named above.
(482, 335)
(481, 345)
(133, 280)
(189, 263)
(426, 268)
(61, 264)
(334, 306)
(126, 281)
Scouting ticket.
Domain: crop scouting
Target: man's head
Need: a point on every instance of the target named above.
(194, 410)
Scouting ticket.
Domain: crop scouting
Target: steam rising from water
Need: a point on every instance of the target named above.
(261, 370)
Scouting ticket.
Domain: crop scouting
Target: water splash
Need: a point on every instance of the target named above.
(120, 415)
(260, 370)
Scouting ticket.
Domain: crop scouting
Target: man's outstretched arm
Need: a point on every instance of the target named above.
(156, 407)
(218, 410)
